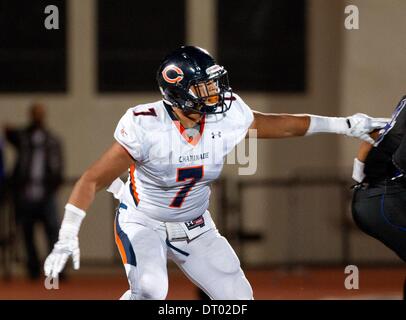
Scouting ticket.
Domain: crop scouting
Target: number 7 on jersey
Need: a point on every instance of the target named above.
(193, 174)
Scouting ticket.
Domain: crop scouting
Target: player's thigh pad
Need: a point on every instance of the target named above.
(223, 259)
(215, 267)
(148, 276)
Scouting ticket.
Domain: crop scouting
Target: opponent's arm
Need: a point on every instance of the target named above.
(359, 161)
(109, 166)
(292, 125)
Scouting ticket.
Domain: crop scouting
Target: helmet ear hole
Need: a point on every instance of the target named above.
(176, 97)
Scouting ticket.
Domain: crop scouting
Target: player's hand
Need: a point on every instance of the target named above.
(360, 125)
(57, 259)
(68, 243)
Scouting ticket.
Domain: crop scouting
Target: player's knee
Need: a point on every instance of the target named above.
(152, 287)
(242, 289)
(236, 287)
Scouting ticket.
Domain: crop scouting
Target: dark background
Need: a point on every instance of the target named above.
(32, 58)
(261, 41)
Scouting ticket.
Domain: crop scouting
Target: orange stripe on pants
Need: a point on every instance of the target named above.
(119, 243)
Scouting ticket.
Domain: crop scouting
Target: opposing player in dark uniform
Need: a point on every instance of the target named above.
(379, 201)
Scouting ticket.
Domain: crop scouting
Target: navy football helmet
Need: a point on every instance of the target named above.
(190, 79)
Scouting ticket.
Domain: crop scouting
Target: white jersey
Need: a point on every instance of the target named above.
(170, 179)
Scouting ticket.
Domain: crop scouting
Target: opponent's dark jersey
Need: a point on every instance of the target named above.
(387, 158)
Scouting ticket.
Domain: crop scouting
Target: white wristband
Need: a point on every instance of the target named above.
(71, 221)
(358, 170)
(319, 124)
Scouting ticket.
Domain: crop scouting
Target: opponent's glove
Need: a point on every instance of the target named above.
(357, 125)
(68, 243)
(361, 124)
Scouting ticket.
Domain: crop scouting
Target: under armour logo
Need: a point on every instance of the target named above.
(213, 134)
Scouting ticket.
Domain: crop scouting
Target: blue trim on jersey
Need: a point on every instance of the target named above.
(170, 245)
(123, 206)
(389, 126)
(128, 248)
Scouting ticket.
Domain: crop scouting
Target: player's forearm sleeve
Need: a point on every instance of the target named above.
(399, 157)
(320, 124)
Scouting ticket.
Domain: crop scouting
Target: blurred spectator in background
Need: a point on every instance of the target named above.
(2, 172)
(34, 182)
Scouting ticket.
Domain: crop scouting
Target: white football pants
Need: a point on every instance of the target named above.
(208, 261)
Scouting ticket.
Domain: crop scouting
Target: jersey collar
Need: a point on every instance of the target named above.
(191, 140)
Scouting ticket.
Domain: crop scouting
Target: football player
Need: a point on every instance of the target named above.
(174, 148)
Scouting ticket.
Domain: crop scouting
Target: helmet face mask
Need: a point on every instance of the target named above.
(208, 91)
(190, 79)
